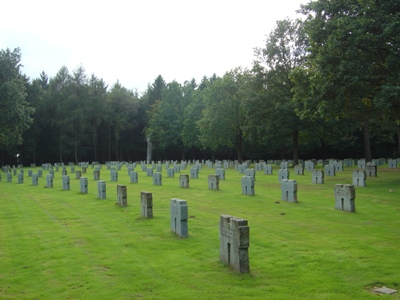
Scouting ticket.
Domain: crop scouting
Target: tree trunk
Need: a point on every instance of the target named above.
(367, 142)
(239, 145)
(295, 147)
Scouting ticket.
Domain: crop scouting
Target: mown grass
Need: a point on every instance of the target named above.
(57, 244)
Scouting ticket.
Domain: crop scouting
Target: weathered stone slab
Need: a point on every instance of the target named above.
(134, 177)
(289, 190)
(345, 195)
(157, 178)
(179, 217)
(101, 189)
(359, 178)
(65, 183)
(122, 195)
(83, 184)
(146, 204)
(184, 180)
(213, 182)
(248, 186)
(283, 174)
(317, 176)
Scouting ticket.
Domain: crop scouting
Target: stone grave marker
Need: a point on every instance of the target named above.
(345, 195)
(268, 169)
(359, 178)
(284, 165)
(234, 236)
(40, 173)
(122, 195)
(49, 180)
(392, 163)
(289, 190)
(361, 163)
(134, 177)
(298, 170)
(114, 175)
(170, 173)
(194, 173)
(35, 179)
(20, 178)
(83, 184)
(250, 173)
(329, 170)
(101, 189)
(248, 186)
(179, 217)
(29, 173)
(65, 183)
(146, 204)
(177, 169)
(78, 174)
(213, 182)
(157, 178)
(184, 180)
(72, 170)
(149, 172)
(283, 174)
(309, 166)
(220, 173)
(64, 172)
(371, 169)
(317, 176)
(96, 175)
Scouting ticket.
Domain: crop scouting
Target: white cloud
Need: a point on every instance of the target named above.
(134, 41)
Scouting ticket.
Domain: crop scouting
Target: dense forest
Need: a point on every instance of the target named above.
(326, 86)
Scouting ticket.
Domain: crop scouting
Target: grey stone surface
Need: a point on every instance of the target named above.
(179, 217)
(114, 175)
(221, 173)
(184, 180)
(359, 178)
(83, 185)
(289, 190)
(146, 204)
(96, 175)
(35, 179)
(345, 195)
(371, 169)
(213, 182)
(317, 176)
(385, 290)
(9, 177)
(298, 170)
(157, 178)
(268, 170)
(134, 177)
(248, 186)
(122, 195)
(65, 183)
(20, 178)
(101, 189)
(234, 236)
(194, 172)
(329, 170)
(78, 174)
(170, 172)
(283, 174)
(49, 180)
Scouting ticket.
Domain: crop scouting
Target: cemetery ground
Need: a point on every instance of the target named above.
(58, 244)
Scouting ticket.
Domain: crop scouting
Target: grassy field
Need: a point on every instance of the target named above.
(57, 244)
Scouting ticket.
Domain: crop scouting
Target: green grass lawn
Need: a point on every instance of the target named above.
(57, 244)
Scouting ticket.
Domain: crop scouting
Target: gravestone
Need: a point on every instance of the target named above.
(213, 182)
(134, 177)
(268, 170)
(248, 186)
(83, 184)
(35, 179)
(146, 204)
(329, 170)
(170, 173)
(78, 174)
(114, 175)
(49, 181)
(149, 172)
(317, 176)
(179, 217)
(157, 178)
(29, 173)
(20, 178)
(309, 166)
(284, 165)
(65, 183)
(194, 172)
(84, 169)
(101, 189)
(184, 181)
(72, 170)
(220, 173)
(234, 237)
(392, 163)
(289, 190)
(283, 174)
(159, 168)
(359, 178)
(64, 172)
(371, 169)
(345, 195)
(348, 162)
(338, 166)
(51, 172)
(298, 170)
(250, 173)
(96, 175)
(258, 166)
(241, 169)
(361, 163)
(177, 169)
(40, 173)
(9, 177)
(122, 195)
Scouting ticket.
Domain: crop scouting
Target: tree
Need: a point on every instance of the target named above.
(225, 122)
(354, 62)
(16, 114)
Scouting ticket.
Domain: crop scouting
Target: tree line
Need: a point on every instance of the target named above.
(326, 86)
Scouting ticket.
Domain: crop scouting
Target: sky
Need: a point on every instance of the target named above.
(135, 41)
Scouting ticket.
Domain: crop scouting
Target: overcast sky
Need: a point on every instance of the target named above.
(135, 41)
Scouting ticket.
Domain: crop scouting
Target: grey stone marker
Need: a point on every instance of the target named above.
(371, 169)
(51, 172)
(29, 173)
(122, 197)
(220, 173)
(114, 175)
(392, 163)
(35, 179)
(361, 164)
(213, 182)
(64, 173)
(170, 172)
(134, 177)
(338, 166)
(248, 186)
(49, 180)
(157, 178)
(146, 204)
(284, 165)
(40, 173)
(289, 190)
(9, 177)
(78, 174)
(250, 173)
(184, 180)
(309, 166)
(72, 169)
(241, 169)
(101, 189)
(177, 169)
(234, 237)
(329, 170)
(96, 175)
(149, 172)
(283, 174)
(268, 170)
(359, 178)
(84, 169)
(179, 217)
(317, 176)
(345, 195)
(194, 172)
(298, 170)
(20, 178)
(83, 184)
(159, 168)
(65, 183)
